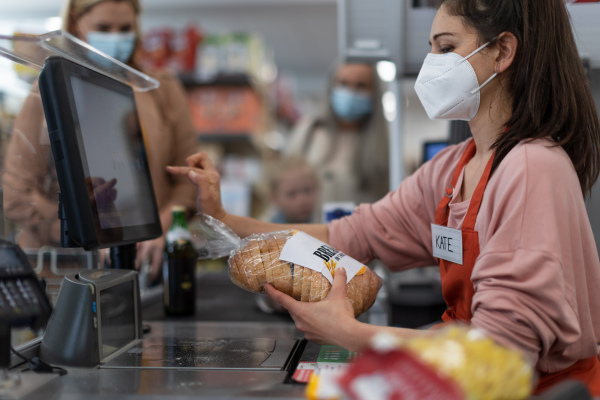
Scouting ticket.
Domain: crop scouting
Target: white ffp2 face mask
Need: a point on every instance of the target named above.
(448, 88)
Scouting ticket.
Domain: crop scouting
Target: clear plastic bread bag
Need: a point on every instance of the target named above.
(306, 274)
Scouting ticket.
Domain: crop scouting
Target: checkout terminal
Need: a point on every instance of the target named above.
(95, 330)
(108, 201)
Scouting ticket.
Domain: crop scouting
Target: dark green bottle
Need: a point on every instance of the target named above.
(179, 268)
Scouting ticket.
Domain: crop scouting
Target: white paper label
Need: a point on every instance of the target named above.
(305, 250)
(447, 243)
(178, 233)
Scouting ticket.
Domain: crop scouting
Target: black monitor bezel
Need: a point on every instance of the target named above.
(69, 156)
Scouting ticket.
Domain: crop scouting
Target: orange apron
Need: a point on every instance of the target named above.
(457, 287)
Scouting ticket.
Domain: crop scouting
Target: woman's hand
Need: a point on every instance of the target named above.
(151, 251)
(328, 321)
(202, 173)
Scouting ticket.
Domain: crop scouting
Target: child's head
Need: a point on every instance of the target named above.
(294, 189)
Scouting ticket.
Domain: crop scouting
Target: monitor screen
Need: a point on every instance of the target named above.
(8, 258)
(430, 149)
(100, 157)
(113, 149)
(117, 317)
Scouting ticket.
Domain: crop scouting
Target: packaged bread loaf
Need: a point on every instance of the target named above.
(301, 267)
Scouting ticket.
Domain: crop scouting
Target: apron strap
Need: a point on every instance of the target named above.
(441, 214)
(469, 222)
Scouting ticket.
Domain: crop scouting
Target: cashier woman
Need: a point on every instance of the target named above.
(29, 181)
(514, 194)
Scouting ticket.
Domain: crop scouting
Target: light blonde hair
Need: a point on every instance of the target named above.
(77, 8)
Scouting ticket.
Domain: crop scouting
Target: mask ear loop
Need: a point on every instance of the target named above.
(477, 89)
(478, 50)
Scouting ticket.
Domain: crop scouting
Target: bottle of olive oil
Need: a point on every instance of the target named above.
(179, 268)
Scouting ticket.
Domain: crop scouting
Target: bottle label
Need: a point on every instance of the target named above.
(177, 234)
(305, 250)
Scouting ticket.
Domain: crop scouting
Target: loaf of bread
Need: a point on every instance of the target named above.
(257, 262)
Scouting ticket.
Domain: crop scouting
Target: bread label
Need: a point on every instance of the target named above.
(305, 250)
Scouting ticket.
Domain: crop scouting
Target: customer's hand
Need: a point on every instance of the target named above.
(325, 321)
(151, 251)
(202, 173)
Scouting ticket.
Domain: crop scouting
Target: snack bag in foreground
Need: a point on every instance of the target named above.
(451, 363)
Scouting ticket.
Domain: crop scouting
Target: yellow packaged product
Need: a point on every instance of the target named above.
(453, 363)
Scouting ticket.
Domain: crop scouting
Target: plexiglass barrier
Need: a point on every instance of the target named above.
(32, 51)
(28, 183)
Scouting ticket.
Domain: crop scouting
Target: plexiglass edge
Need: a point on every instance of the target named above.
(32, 51)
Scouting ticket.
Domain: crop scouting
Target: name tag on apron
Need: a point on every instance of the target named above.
(447, 243)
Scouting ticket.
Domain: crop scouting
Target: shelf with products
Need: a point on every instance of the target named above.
(230, 122)
(228, 78)
(200, 58)
(220, 79)
(227, 137)
(241, 144)
(228, 111)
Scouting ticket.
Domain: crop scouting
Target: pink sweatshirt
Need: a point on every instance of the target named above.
(537, 278)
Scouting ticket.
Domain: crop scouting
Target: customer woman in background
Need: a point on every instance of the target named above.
(347, 144)
(29, 179)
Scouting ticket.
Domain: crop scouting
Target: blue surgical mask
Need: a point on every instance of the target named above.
(350, 105)
(119, 46)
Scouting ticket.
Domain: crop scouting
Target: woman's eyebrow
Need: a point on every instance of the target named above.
(437, 35)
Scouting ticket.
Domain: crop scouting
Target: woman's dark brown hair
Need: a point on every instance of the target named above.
(550, 91)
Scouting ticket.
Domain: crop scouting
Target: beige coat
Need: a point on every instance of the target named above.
(336, 158)
(29, 179)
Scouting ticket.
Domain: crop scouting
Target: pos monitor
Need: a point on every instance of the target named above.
(96, 139)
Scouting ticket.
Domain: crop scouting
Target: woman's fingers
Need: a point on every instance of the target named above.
(193, 174)
(339, 288)
(185, 171)
(320, 321)
(202, 173)
(178, 170)
(200, 160)
(151, 251)
(199, 169)
(283, 299)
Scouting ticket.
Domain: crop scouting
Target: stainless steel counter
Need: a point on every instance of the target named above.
(225, 346)
(118, 383)
(228, 349)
